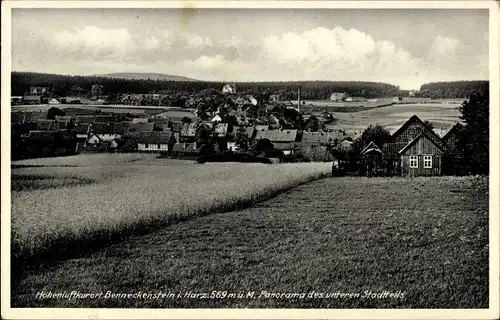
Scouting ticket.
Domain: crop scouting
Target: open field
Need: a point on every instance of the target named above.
(94, 198)
(426, 238)
(443, 116)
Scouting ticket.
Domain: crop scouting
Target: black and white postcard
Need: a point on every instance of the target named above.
(257, 160)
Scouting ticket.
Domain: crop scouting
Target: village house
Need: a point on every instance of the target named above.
(104, 132)
(337, 96)
(54, 101)
(97, 90)
(229, 89)
(287, 141)
(155, 141)
(413, 150)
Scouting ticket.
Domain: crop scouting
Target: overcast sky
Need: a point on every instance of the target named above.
(402, 47)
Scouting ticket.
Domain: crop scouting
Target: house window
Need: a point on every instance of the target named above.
(427, 161)
(145, 145)
(413, 161)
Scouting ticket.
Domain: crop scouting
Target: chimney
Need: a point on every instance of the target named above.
(298, 99)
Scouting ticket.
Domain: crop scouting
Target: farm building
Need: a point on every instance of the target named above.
(54, 101)
(413, 150)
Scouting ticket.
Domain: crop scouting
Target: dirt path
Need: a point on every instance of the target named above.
(423, 238)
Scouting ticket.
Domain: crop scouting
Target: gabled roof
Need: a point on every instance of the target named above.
(82, 128)
(456, 127)
(138, 127)
(104, 118)
(318, 137)
(85, 119)
(278, 135)
(420, 136)
(102, 128)
(154, 137)
(372, 146)
(413, 119)
(41, 135)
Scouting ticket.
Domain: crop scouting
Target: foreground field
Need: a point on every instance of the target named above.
(425, 240)
(93, 199)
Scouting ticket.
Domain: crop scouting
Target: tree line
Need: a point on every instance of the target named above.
(61, 85)
(453, 89)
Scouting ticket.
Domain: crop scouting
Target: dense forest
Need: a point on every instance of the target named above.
(310, 90)
(453, 89)
(61, 85)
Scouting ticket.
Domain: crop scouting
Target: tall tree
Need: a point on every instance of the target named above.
(473, 141)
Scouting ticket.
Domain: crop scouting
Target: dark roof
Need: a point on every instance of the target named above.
(85, 119)
(46, 125)
(102, 127)
(17, 117)
(420, 136)
(158, 137)
(138, 127)
(390, 150)
(82, 128)
(455, 128)
(286, 145)
(41, 135)
(412, 119)
(176, 126)
(32, 98)
(63, 118)
(318, 137)
(278, 135)
(104, 118)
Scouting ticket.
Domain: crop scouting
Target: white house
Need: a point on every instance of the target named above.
(217, 118)
(227, 88)
(54, 101)
(337, 96)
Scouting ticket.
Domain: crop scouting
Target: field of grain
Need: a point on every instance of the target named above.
(88, 197)
(425, 240)
(443, 116)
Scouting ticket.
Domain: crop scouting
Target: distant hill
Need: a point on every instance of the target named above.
(145, 76)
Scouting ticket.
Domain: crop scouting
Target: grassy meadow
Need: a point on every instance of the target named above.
(424, 237)
(65, 203)
(442, 115)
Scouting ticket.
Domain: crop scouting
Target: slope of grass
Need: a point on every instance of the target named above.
(425, 237)
(133, 196)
